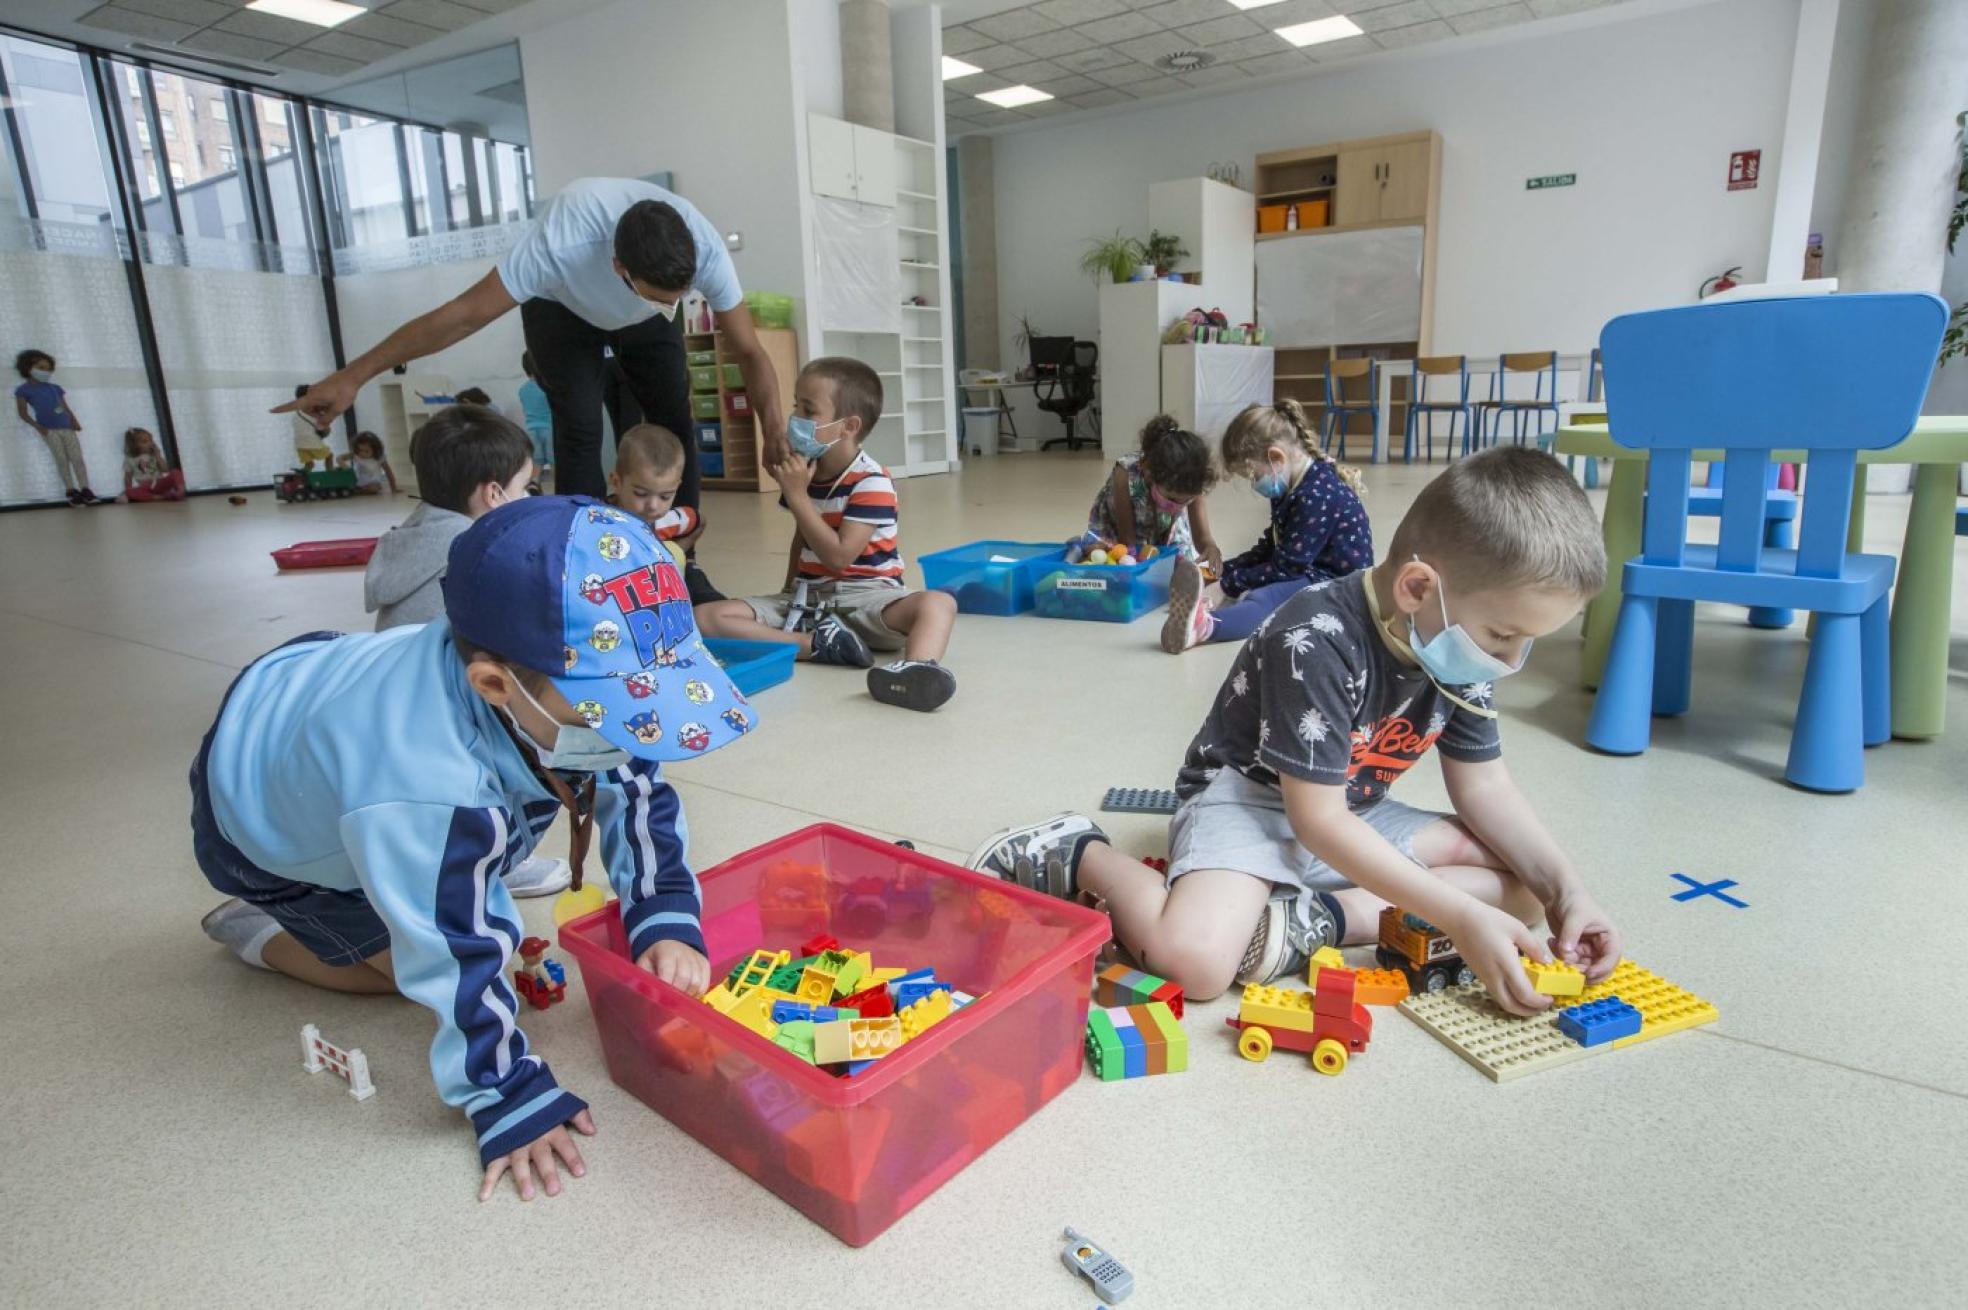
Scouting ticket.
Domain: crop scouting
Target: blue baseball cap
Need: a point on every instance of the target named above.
(584, 593)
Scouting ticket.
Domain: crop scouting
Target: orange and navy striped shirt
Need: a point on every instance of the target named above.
(862, 494)
(681, 521)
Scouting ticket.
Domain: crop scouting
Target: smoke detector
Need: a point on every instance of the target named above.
(1185, 61)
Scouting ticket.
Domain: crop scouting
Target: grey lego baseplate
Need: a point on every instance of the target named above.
(1139, 800)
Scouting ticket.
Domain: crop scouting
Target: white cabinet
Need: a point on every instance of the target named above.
(849, 161)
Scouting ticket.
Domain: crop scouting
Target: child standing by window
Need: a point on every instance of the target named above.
(147, 474)
(1318, 531)
(44, 407)
(1155, 496)
(372, 468)
(538, 414)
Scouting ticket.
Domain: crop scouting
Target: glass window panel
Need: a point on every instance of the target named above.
(49, 89)
(359, 155)
(212, 199)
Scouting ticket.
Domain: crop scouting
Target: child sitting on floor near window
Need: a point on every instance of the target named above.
(1154, 497)
(147, 474)
(371, 465)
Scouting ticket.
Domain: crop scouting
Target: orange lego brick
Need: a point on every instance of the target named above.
(1380, 986)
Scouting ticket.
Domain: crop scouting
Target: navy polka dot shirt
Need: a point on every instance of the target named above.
(1318, 530)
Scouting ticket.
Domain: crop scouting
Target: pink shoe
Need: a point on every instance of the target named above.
(1189, 622)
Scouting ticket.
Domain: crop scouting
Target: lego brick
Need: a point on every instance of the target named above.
(874, 1038)
(786, 978)
(1333, 993)
(817, 984)
(908, 993)
(719, 998)
(1134, 1051)
(925, 1014)
(1326, 957)
(1604, 1020)
(847, 979)
(818, 944)
(1155, 1046)
(1173, 1036)
(754, 1010)
(882, 977)
(873, 1003)
(796, 1035)
(1380, 986)
(790, 1011)
(1664, 1008)
(1103, 1046)
(1170, 995)
(1554, 979)
(1139, 800)
(1500, 1044)
(1276, 1007)
(915, 976)
(756, 970)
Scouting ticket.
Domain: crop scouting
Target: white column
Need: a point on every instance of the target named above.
(1797, 166)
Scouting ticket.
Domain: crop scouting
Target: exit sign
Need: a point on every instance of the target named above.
(1550, 180)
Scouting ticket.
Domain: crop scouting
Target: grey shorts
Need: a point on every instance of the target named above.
(1235, 823)
(858, 605)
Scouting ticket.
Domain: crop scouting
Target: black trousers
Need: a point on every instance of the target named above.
(567, 352)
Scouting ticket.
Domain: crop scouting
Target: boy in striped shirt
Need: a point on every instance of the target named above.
(844, 594)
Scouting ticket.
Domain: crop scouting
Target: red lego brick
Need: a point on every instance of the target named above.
(1333, 995)
(817, 945)
(874, 1003)
(1170, 995)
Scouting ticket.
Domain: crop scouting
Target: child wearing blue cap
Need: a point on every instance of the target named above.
(361, 797)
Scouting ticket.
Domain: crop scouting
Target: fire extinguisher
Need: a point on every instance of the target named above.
(1720, 282)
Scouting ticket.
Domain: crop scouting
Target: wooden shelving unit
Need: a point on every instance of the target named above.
(739, 433)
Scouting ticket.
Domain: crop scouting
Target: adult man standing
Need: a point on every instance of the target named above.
(605, 264)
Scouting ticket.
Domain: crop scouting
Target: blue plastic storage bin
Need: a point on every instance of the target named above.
(753, 666)
(1105, 593)
(992, 577)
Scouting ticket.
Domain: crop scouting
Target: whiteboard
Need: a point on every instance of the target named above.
(1346, 288)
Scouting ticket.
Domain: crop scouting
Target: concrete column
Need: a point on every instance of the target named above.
(978, 192)
(1906, 152)
(1797, 163)
(867, 66)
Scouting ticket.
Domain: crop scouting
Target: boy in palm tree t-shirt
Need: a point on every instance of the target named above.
(1285, 818)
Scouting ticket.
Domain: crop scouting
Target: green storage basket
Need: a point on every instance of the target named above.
(733, 376)
(770, 309)
(696, 357)
(704, 406)
(704, 378)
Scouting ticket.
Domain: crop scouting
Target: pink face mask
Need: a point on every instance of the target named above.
(1164, 504)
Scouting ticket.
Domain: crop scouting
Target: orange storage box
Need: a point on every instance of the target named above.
(1271, 218)
(1314, 213)
(854, 1154)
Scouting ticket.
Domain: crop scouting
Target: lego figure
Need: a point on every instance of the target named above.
(540, 981)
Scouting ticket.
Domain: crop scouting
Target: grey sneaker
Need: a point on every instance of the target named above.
(912, 684)
(1042, 856)
(539, 875)
(835, 643)
(242, 929)
(1292, 926)
(1189, 620)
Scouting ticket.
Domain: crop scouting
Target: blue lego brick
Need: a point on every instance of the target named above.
(1134, 1052)
(908, 993)
(555, 972)
(896, 984)
(856, 1066)
(1597, 1022)
(790, 1011)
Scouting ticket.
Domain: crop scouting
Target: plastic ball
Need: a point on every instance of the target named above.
(1096, 556)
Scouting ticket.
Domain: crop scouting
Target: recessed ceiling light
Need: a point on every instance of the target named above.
(1253, 4)
(957, 68)
(322, 13)
(1319, 31)
(1014, 96)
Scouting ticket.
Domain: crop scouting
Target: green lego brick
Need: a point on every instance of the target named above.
(1172, 1034)
(796, 1035)
(848, 980)
(1103, 1045)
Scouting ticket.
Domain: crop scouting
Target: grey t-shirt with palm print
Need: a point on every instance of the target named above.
(1318, 695)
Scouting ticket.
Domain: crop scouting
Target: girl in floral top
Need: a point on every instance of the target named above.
(1318, 531)
(1155, 497)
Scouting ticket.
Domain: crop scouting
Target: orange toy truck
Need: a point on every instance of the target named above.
(1421, 951)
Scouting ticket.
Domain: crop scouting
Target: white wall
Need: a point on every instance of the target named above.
(1645, 111)
(373, 305)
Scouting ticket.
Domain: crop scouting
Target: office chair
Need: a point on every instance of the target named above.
(1064, 372)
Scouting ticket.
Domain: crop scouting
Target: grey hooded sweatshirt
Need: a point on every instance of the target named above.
(401, 584)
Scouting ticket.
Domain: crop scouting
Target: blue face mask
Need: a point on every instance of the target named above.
(1452, 658)
(1272, 484)
(803, 437)
(576, 748)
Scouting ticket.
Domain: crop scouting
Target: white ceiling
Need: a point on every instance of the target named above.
(1094, 54)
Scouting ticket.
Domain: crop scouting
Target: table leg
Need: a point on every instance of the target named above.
(1625, 500)
(1921, 603)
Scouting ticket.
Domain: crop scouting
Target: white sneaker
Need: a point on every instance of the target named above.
(242, 929)
(539, 875)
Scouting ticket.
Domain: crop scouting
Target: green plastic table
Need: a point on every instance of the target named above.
(1921, 597)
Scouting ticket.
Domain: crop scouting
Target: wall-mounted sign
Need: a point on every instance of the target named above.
(1744, 165)
(1550, 180)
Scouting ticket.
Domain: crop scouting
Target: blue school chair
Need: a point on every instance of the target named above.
(1339, 407)
(1832, 375)
(1422, 410)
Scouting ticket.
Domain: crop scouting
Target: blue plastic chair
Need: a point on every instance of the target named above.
(1779, 519)
(1542, 400)
(1339, 408)
(1422, 410)
(1832, 375)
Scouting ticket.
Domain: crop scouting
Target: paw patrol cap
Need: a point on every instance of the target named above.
(584, 593)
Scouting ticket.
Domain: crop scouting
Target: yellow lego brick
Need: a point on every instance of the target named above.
(1326, 957)
(1554, 979)
(757, 970)
(925, 1014)
(1276, 1007)
(883, 975)
(754, 1010)
(1502, 1045)
(719, 998)
(855, 1039)
(1664, 1008)
(1380, 986)
(833, 1043)
(816, 985)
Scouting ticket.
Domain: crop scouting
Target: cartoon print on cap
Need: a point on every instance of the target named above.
(607, 636)
(667, 658)
(738, 720)
(570, 657)
(641, 685)
(591, 712)
(603, 514)
(612, 547)
(693, 736)
(645, 727)
(699, 692)
(591, 589)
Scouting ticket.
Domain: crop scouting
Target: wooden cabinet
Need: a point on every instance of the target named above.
(1357, 197)
(850, 161)
(1405, 175)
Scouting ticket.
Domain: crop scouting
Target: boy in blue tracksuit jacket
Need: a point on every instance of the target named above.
(360, 797)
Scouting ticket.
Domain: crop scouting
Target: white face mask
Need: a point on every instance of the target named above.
(576, 748)
(665, 311)
(41, 374)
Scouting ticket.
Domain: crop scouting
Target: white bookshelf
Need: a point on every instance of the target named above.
(929, 408)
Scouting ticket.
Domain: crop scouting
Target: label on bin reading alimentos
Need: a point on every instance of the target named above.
(1082, 584)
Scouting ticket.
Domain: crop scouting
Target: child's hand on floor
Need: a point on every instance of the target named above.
(537, 1157)
(1491, 940)
(793, 474)
(1582, 935)
(678, 965)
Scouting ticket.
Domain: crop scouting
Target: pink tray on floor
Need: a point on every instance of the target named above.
(344, 552)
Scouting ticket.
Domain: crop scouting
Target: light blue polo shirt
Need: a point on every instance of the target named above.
(568, 255)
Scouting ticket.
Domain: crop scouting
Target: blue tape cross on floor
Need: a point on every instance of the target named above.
(1714, 889)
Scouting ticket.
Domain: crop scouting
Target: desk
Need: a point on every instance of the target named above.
(1921, 596)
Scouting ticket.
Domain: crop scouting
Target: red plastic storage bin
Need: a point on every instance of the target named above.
(854, 1154)
(343, 552)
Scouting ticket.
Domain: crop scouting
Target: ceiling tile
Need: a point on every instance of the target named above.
(1216, 31)
(1456, 8)
(1283, 61)
(1032, 73)
(1250, 47)
(1046, 108)
(1085, 61)
(1483, 20)
(381, 27)
(1396, 38)
(1347, 47)
(1070, 85)
(231, 43)
(1119, 28)
(1303, 11)
(441, 14)
(1148, 49)
(1068, 12)
(1352, 7)
(1161, 86)
(269, 27)
(492, 6)
(1048, 45)
(1124, 74)
(313, 61)
(1014, 23)
(1405, 14)
(992, 57)
(976, 84)
(995, 117)
(1555, 8)
(1102, 98)
(1214, 75)
(956, 40)
(348, 46)
(1180, 13)
(127, 21)
(200, 12)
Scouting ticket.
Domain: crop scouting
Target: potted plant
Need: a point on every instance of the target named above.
(1021, 342)
(1163, 251)
(1114, 256)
